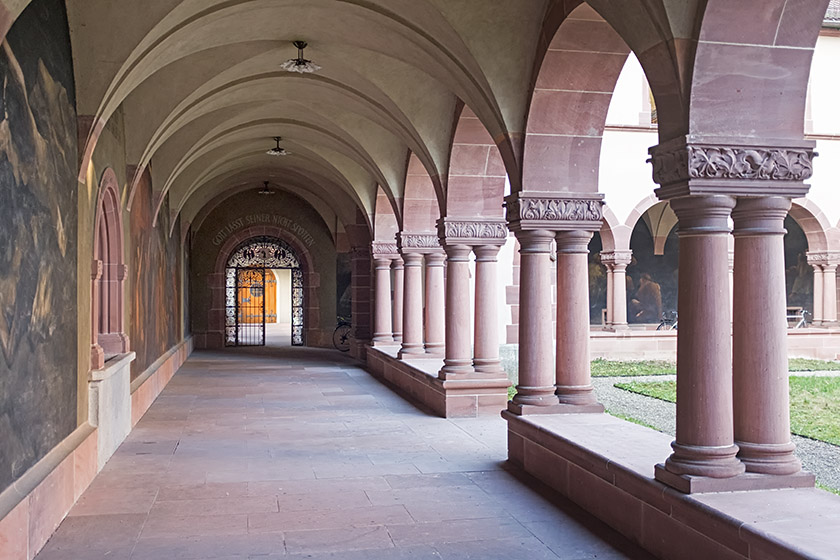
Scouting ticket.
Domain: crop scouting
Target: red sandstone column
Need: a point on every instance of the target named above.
(704, 443)
(382, 300)
(574, 386)
(617, 299)
(816, 261)
(412, 336)
(760, 367)
(610, 292)
(536, 371)
(486, 358)
(435, 317)
(397, 318)
(458, 354)
(830, 293)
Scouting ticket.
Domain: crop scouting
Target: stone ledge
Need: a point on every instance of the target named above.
(417, 380)
(606, 466)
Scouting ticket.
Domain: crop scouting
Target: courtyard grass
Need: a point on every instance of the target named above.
(814, 404)
(807, 364)
(610, 368)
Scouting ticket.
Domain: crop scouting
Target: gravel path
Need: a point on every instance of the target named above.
(822, 459)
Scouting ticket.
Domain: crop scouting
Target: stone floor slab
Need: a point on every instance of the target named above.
(298, 453)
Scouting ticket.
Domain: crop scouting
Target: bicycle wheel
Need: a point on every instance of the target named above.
(341, 337)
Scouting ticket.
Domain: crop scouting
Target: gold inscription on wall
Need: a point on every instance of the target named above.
(273, 219)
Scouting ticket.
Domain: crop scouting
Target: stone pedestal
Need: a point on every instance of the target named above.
(109, 401)
(760, 361)
(704, 443)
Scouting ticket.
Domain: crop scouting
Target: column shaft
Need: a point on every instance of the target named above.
(704, 443)
(382, 333)
(397, 317)
(536, 372)
(819, 297)
(760, 368)
(412, 336)
(458, 353)
(619, 301)
(610, 294)
(574, 386)
(830, 294)
(435, 306)
(486, 358)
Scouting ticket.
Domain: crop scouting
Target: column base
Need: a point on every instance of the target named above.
(769, 458)
(523, 409)
(455, 369)
(690, 484)
(576, 395)
(380, 340)
(703, 461)
(436, 349)
(488, 366)
(411, 351)
(398, 337)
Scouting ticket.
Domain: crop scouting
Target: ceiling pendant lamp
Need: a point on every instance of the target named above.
(277, 150)
(300, 64)
(265, 189)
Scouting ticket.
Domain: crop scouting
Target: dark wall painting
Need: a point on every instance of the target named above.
(652, 279)
(597, 281)
(155, 281)
(343, 277)
(38, 238)
(799, 275)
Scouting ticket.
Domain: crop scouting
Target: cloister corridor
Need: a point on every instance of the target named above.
(298, 452)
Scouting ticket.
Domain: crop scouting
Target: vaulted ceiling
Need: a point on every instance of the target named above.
(201, 92)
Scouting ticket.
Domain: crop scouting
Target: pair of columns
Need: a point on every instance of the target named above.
(401, 318)
(733, 412)
(423, 333)
(616, 263)
(461, 238)
(825, 287)
(732, 385)
(554, 374)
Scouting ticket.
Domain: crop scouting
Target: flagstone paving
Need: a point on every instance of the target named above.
(265, 453)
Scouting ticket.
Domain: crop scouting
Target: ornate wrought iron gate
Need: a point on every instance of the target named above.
(245, 285)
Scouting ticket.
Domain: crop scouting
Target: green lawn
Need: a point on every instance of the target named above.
(807, 364)
(608, 368)
(814, 403)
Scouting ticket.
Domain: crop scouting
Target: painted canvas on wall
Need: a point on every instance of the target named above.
(155, 281)
(38, 238)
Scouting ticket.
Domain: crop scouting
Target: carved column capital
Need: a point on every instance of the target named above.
(383, 250)
(554, 211)
(472, 231)
(823, 258)
(418, 243)
(690, 165)
(616, 258)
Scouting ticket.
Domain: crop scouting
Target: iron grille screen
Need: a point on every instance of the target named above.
(245, 285)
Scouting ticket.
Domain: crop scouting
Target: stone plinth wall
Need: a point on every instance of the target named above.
(606, 466)
(419, 382)
(146, 388)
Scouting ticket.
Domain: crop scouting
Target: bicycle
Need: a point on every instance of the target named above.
(342, 335)
(668, 321)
